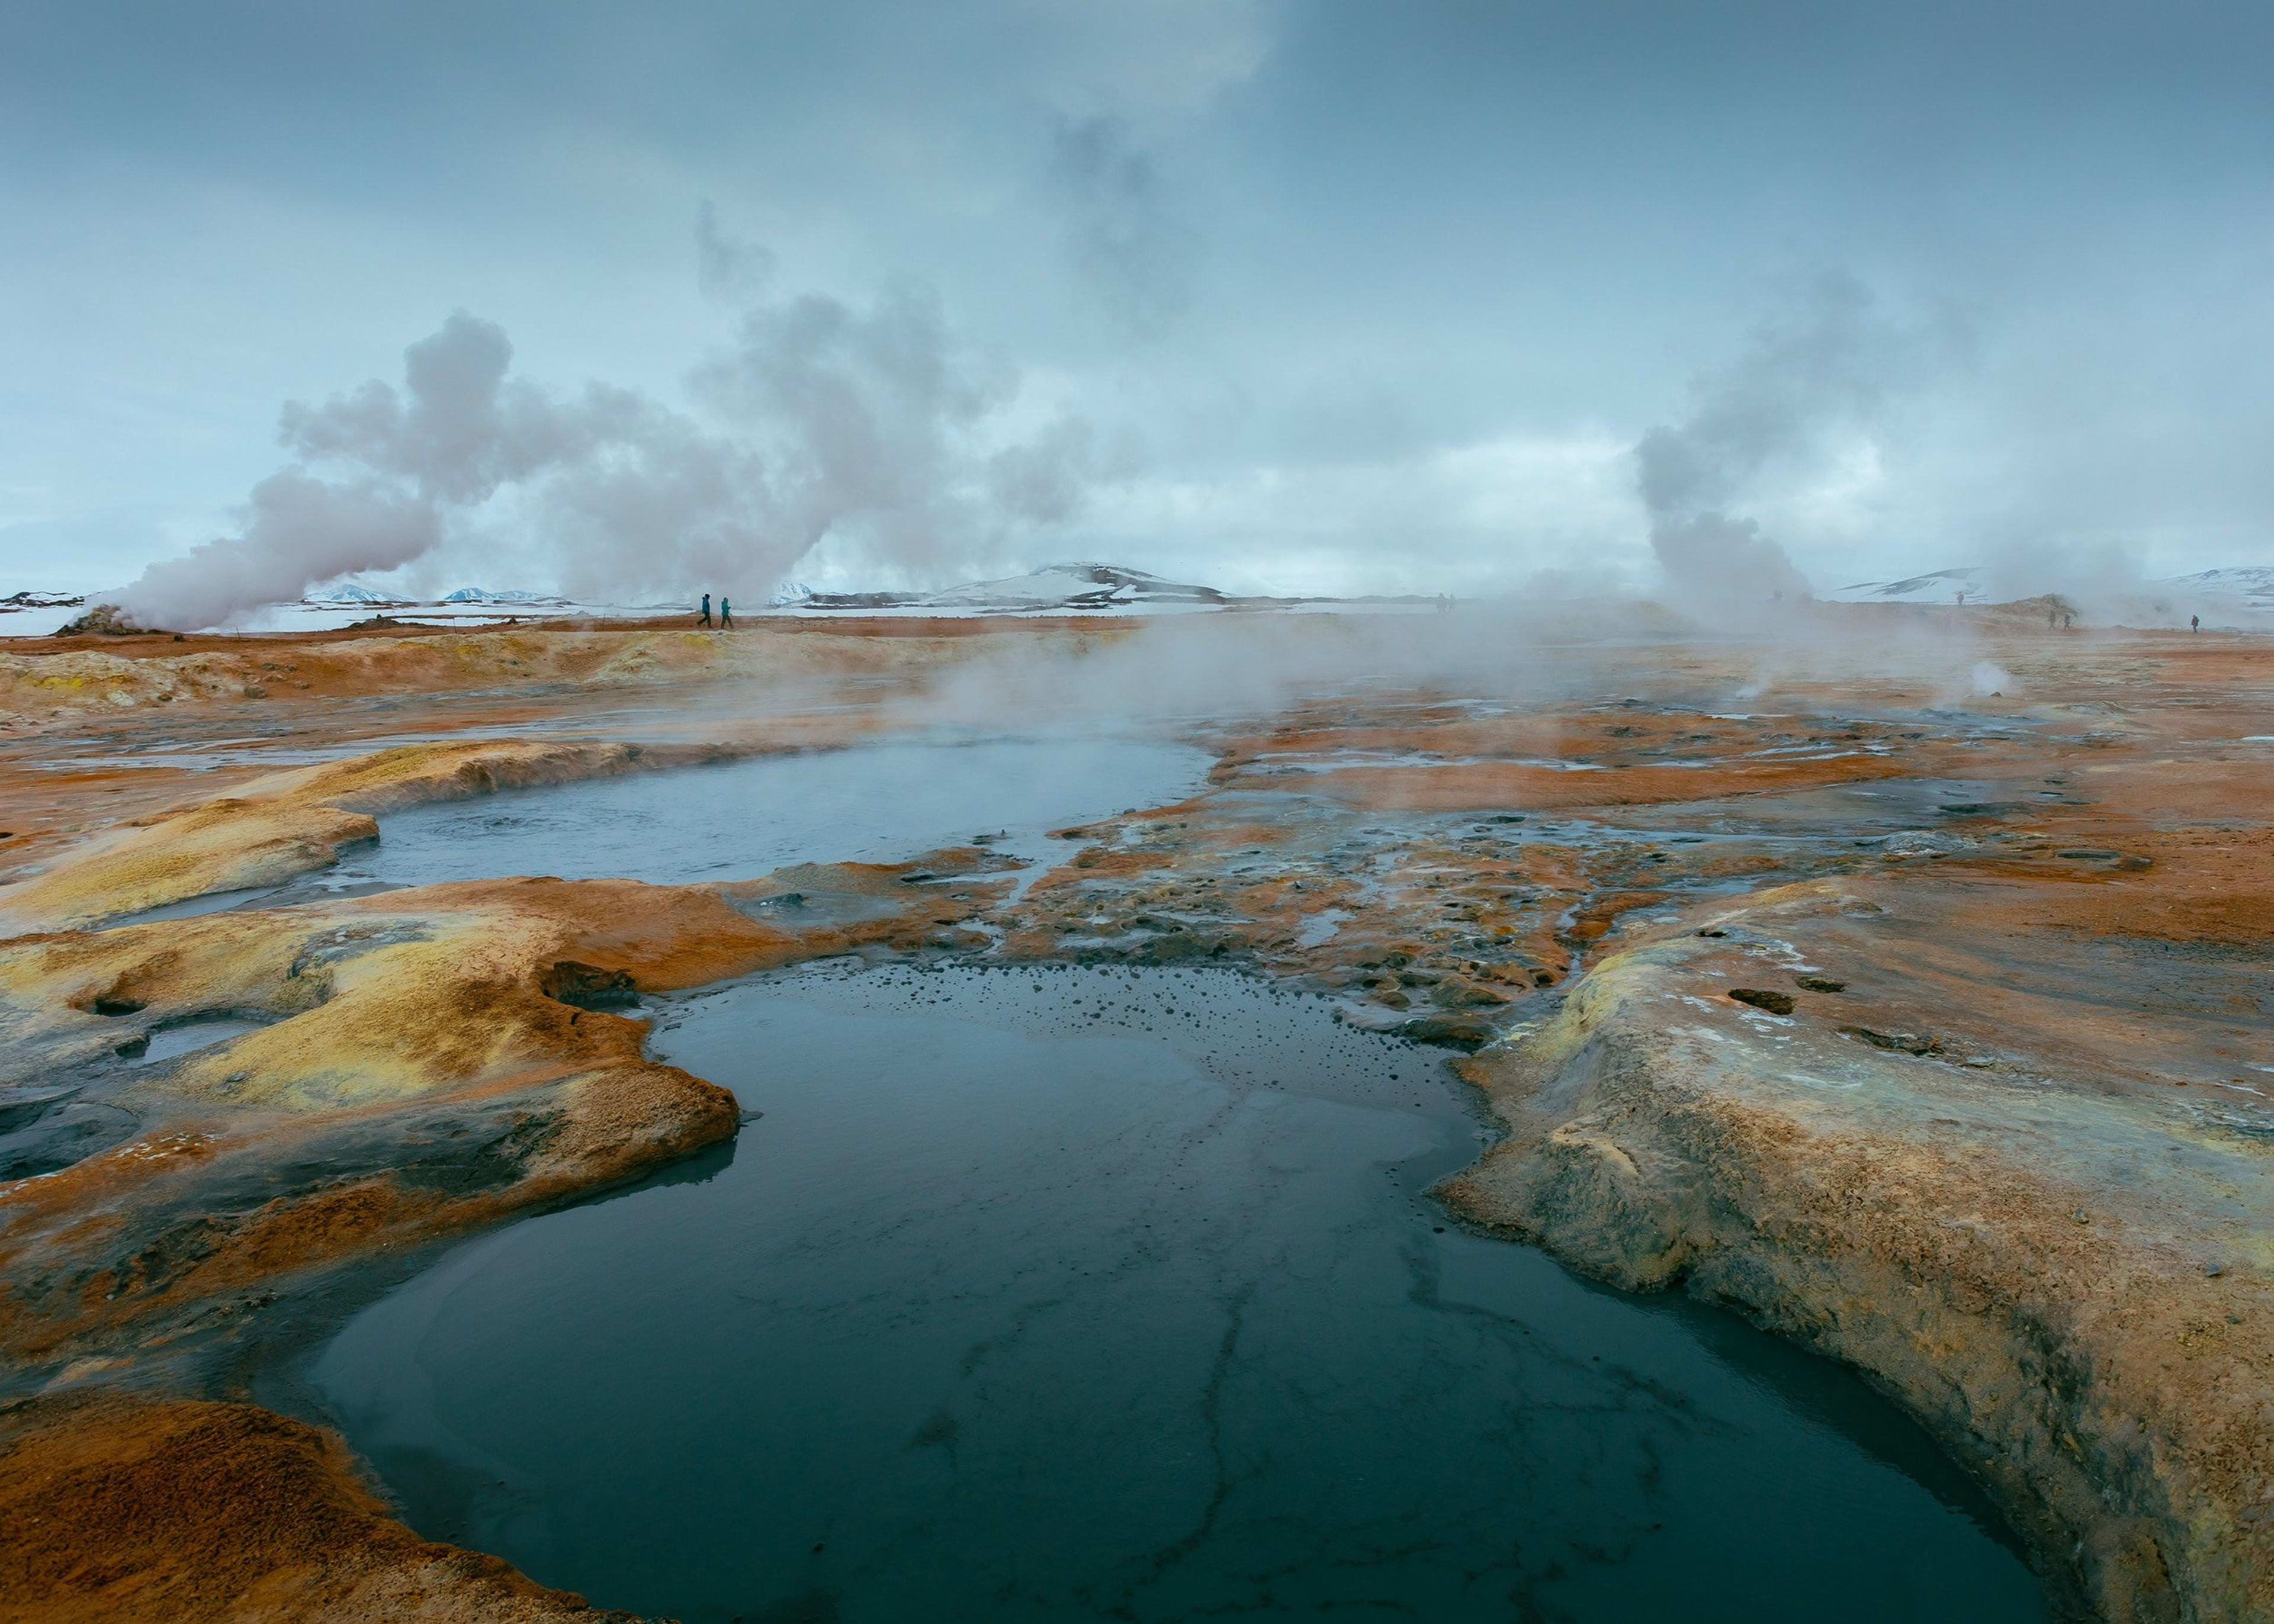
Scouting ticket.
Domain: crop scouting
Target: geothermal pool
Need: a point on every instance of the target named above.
(1053, 1293)
(737, 820)
(871, 803)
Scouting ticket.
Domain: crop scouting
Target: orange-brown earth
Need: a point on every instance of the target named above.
(1991, 1122)
(110, 1508)
(46, 680)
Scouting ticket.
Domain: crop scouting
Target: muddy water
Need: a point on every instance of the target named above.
(1064, 1294)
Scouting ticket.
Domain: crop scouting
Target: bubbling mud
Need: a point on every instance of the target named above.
(1039, 1292)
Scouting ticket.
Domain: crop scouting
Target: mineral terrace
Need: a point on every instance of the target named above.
(1922, 1019)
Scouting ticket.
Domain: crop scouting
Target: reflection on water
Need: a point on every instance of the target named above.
(738, 820)
(741, 819)
(172, 1043)
(1050, 1293)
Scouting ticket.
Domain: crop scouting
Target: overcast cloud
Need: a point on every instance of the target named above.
(1301, 295)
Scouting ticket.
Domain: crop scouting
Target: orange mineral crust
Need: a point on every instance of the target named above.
(166, 1510)
(66, 680)
(437, 1058)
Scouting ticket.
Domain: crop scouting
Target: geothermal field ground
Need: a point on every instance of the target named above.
(1480, 1115)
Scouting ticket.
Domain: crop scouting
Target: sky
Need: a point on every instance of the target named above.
(1289, 295)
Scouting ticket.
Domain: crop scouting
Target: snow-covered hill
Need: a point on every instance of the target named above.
(1053, 588)
(2237, 596)
(35, 614)
(2245, 587)
(1074, 586)
(349, 593)
(484, 594)
(1942, 586)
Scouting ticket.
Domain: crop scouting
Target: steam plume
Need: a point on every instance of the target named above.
(871, 428)
(728, 267)
(1127, 242)
(297, 530)
(1794, 380)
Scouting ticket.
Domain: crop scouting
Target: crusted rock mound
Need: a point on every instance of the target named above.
(110, 1506)
(2060, 1270)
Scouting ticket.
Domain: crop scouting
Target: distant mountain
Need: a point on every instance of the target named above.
(2154, 603)
(1942, 586)
(483, 595)
(40, 600)
(2247, 586)
(1074, 586)
(349, 593)
(1077, 586)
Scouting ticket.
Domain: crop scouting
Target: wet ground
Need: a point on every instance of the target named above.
(1052, 1293)
(1929, 1027)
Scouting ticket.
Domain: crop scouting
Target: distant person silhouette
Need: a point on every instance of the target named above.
(2195, 622)
(706, 609)
(726, 614)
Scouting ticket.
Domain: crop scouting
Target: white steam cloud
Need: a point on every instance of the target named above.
(872, 428)
(297, 530)
(1797, 378)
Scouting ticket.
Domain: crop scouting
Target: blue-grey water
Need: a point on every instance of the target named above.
(737, 820)
(740, 819)
(1064, 1294)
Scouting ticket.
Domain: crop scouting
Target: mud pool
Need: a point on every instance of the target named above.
(1072, 1293)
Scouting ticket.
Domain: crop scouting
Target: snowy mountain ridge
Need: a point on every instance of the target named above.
(2239, 586)
(2250, 585)
(1937, 587)
(1053, 587)
(483, 595)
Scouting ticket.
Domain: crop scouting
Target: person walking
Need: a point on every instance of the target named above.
(2195, 622)
(706, 609)
(726, 613)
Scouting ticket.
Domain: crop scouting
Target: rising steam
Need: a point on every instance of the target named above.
(1133, 249)
(1796, 379)
(872, 428)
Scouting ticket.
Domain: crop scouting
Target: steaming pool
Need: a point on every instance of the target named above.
(1099, 1293)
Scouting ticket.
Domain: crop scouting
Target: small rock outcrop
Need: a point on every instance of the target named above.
(103, 621)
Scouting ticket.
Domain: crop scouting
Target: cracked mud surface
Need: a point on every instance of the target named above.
(2014, 1166)
(1051, 1292)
